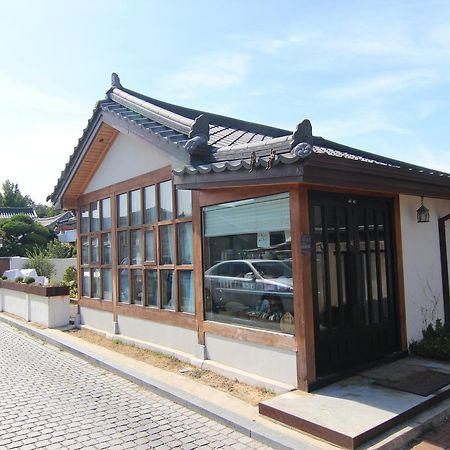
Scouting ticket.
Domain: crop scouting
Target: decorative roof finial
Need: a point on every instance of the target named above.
(115, 81)
(301, 144)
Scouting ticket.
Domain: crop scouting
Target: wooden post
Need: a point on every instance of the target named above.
(198, 265)
(303, 301)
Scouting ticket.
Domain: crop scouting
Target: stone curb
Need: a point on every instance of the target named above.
(224, 416)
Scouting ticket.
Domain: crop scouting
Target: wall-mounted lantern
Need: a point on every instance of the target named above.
(423, 214)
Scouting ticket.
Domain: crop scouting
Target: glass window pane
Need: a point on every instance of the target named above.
(106, 248)
(136, 282)
(151, 287)
(150, 204)
(135, 207)
(165, 201)
(124, 291)
(123, 247)
(248, 263)
(95, 216)
(136, 253)
(186, 291)
(150, 254)
(184, 243)
(166, 244)
(107, 284)
(122, 210)
(94, 251)
(184, 203)
(167, 289)
(84, 219)
(86, 288)
(96, 283)
(85, 250)
(106, 214)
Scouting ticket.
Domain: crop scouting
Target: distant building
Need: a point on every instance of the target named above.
(6, 212)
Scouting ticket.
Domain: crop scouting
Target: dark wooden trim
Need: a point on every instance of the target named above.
(303, 300)
(198, 264)
(399, 278)
(444, 266)
(326, 170)
(44, 291)
(238, 333)
(164, 316)
(94, 303)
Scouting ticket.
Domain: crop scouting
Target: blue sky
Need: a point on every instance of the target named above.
(370, 74)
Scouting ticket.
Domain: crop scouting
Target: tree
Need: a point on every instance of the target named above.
(21, 234)
(12, 196)
(46, 211)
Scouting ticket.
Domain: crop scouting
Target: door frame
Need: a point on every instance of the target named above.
(305, 331)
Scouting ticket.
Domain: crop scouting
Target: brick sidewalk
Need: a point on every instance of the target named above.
(437, 439)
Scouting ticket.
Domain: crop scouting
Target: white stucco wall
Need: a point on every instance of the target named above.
(128, 157)
(261, 360)
(169, 336)
(98, 319)
(422, 264)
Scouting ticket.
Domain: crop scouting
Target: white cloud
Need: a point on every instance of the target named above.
(21, 95)
(389, 83)
(215, 71)
(355, 125)
(36, 158)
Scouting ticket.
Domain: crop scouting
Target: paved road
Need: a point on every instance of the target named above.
(50, 399)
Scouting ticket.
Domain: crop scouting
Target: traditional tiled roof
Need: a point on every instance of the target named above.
(210, 143)
(8, 212)
(51, 222)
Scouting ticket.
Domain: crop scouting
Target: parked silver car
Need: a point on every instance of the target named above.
(254, 285)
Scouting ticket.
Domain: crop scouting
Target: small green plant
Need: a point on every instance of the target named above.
(4, 277)
(58, 249)
(29, 280)
(70, 279)
(435, 343)
(38, 260)
(18, 279)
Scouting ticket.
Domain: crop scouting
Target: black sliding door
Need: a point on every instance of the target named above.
(355, 311)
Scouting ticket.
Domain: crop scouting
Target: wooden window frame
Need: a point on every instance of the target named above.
(144, 311)
(90, 235)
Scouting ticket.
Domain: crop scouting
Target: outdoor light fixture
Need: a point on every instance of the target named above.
(423, 214)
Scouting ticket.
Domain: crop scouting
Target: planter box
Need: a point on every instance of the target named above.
(45, 305)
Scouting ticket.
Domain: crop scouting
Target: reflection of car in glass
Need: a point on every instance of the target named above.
(263, 286)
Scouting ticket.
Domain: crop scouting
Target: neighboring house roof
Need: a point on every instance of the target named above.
(59, 219)
(217, 149)
(6, 212)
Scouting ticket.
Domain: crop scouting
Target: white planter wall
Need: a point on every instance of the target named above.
(51, 312)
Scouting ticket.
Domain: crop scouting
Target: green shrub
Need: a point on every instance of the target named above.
(4, 277)
(58, 249)
(18, 279)
(70, 278)
(39, 261)
(435, 343)
(29, 280)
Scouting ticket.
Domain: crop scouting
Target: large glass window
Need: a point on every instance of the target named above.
(122, 210)
(96, 249)
(165, 201)
(148, 240)
(135, 207)
(248, 263)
